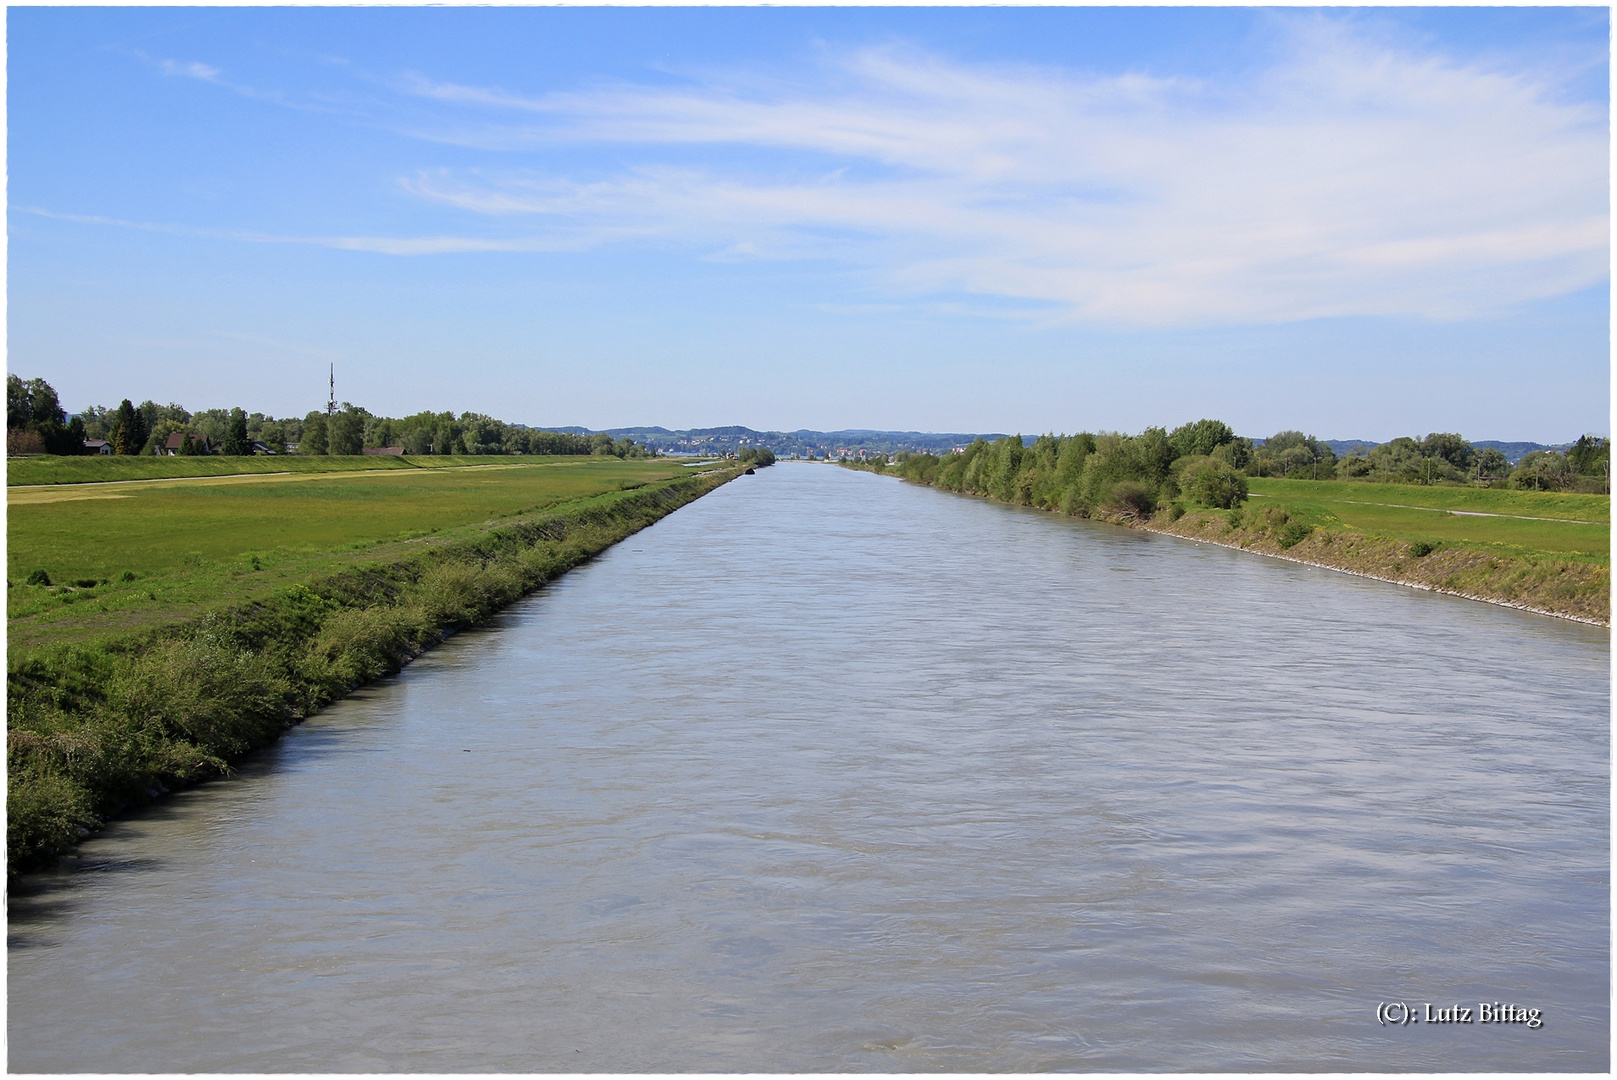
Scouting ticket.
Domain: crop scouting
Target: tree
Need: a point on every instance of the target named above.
(130, 434)
(1590, 456)
(1213, 483)
(345, 433)
(1200, 438)
(1288, 452)
(273, 434)
(236, 444)
(35, 421)
(314, 434)
(1448, 447)
(1491, 464)
(1237, 453)
(1541, 470)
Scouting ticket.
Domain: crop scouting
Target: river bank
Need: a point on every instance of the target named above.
(1571, 585)
(94, 728)
(1564, 589)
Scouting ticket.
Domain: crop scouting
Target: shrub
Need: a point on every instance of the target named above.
(1422, 548)
(44, 816)
(1213, 483)
(1292, 533)
(1133, 496)
(39, 577)
(360, 644)
(206, 692)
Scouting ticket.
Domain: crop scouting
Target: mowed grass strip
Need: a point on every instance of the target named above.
(1550, 504)
(189, 547)
(98, 469)
(1414, 514)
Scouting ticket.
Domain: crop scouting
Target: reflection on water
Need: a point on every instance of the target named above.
(826, 772)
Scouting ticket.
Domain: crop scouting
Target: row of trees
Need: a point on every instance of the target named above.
(36, 423)
(1083, 473)
(353, 428)
(1448, 458)
(1207, 463)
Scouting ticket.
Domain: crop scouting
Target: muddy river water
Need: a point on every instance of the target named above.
(825, 772)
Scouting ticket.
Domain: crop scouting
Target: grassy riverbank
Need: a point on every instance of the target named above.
(118, 691)
(1569, 584)
(123, 557)
(97, 469)
(1541, 551)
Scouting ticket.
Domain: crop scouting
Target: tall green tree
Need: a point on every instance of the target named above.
(34, 411)
(345, 433)
(1590, 456)
(1201, 438)
(235, 443)
(314, 434)
(130, 434)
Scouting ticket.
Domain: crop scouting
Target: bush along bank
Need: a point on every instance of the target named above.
(95, 729)
(1183, 484)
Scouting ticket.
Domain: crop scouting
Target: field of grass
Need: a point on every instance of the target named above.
(99, 469)
(157, 552)
(1531, 523)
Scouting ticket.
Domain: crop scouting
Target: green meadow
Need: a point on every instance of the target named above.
(125, 556)
(1533, 523)
(98, 469)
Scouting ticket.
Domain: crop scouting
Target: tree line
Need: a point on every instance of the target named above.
(1080, 474)
(36, 423)
(1206, 463)
(1440, 458)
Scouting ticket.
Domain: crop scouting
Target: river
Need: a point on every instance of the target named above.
(826, 772)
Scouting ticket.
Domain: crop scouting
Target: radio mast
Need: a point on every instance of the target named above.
(331, 402)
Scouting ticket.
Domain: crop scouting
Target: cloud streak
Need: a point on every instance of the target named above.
(381, 245)
(1348, 179)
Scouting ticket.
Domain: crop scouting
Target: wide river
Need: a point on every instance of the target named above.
(826, 772)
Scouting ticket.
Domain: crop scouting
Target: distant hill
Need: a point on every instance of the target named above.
(803, 443)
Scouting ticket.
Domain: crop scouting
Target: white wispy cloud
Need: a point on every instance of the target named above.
(193, 69)
(382, 245)
(1351, 178)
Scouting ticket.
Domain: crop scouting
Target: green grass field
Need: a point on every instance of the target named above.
(97, 469)
(1574, 527)
(190, 544)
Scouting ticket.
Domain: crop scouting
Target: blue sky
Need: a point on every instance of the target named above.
(1359, 222)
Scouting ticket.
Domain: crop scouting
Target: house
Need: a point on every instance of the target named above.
(260, 447)
(175, 439)
(97, 446)
(385, 451)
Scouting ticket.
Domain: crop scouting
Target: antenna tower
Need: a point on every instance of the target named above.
(331, 402)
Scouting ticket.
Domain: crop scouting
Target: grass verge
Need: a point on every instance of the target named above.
(99, 469)
(96, 726)
(1574, 585)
